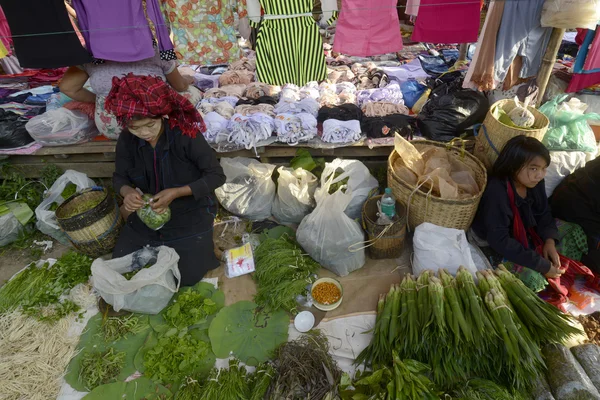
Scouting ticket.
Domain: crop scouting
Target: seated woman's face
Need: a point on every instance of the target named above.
(148, 129)
(532, 173)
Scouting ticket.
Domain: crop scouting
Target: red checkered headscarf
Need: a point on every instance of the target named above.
(151, 97)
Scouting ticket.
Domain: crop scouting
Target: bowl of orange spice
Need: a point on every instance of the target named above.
(327, 294)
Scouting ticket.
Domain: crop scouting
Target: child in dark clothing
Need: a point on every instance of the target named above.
(514, 216)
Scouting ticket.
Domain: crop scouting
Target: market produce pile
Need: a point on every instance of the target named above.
(151, 218)
(492, 330)
(591, 324)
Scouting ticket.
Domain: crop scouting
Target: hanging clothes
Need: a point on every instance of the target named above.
(586, 70)
(118, 30)
(289, 50)
(37, 27)
(521, 34)
(368, 28)
(203, 31)
(5, 34)
(457, 22)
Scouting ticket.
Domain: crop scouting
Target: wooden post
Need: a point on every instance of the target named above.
(548, 61)
(462, 52)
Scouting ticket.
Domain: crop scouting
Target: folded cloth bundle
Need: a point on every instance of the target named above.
(249, 130)
(246, 109)
(388, 94)
(340, 74)
(381, 109)
(226, 91)
(386, 126)
(336, 131)
(345, 112)
(232, 100)
(306, 105)
(236, 77)
(256, 90)
(295, 128)
(290, 92)
(223, 108)
(243, 64)
(260, 100)
(311, 90)
(368, 76)
(88, 109)
(216, 125)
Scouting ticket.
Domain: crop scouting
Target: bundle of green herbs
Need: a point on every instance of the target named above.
(30, 190)
(283, 272)
(190, 308)
(227, 384)
(405, 379)
(36, 288)
(100, 367)
(117, 328)
(131, 274)
(305, 370)
(482, 389)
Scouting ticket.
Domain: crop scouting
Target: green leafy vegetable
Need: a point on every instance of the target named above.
(69, 191)
(283, 271)
(131, 274)
(19, 209)
(189, 309)
(29, 190)
(139, 389)
(227, 384)
(176, 355)
(248, 333)
(151, 218)
(100, 367)
(117, 328)
(304, 160)
(342, 184)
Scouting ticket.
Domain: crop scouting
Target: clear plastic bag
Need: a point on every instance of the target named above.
(359, 180)
(327, 233)
(149, 290)
(569, 128)
(295, 195)
(570, 14)
(46, 218)
(61, 127)
(249, 191)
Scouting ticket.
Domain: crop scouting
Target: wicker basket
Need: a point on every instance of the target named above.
(493, 134)
(391, 243)
(95, 231)
(457, 214)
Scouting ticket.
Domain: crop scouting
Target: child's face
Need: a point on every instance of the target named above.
(532, 173)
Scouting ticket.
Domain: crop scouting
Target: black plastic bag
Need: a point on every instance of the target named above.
(451, 110)
(12, 131)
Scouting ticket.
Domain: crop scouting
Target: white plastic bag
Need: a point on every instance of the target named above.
(360, 183)
(563, 164)
(46, 219)
(149, 290)
(436, 247)
(249, 191)
(295, 195)
(327, 233)
(570, 14)
(61, 127)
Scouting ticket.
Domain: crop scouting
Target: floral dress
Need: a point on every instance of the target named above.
(204, 31)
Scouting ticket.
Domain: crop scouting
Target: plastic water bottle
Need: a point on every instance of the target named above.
(388, 204)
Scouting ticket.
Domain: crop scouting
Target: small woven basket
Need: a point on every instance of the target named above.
(386, 241)
(423, 207)
(95, 231)
(493, 134)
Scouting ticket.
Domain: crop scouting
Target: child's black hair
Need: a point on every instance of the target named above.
(517, 152)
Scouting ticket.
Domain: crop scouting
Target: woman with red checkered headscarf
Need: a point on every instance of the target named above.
(163, 152)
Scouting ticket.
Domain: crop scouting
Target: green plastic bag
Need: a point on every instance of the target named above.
(569, 128)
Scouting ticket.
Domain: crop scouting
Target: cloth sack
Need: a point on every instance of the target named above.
(436, 247)
(61, 127)
(360, 183)
(149, 290)
(327, 233)
(563, 164)
(295, 195)
(249, 190)
(46, 219)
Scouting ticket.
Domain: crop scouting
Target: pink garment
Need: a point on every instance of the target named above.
(412, 7)
(367, 28)
(452, 23)
(5, 32)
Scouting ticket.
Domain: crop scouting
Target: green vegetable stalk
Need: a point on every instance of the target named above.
(99, 368)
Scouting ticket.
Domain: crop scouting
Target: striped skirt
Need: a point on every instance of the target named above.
(290, 51)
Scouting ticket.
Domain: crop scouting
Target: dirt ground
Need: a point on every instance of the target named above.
(12, 260)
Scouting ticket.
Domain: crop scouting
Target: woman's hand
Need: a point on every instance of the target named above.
(163, 199)
(554, 272)
(551, 254)
(132, 201)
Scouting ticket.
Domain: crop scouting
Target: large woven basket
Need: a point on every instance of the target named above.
(493, 134)
(423, 207)
(95, 231)
(386, 242)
